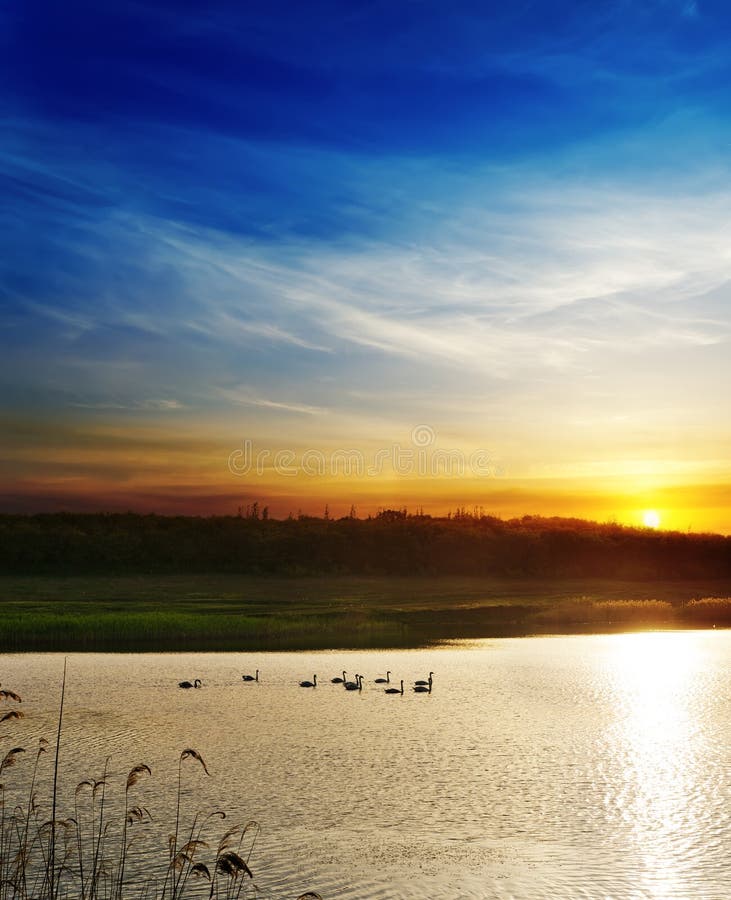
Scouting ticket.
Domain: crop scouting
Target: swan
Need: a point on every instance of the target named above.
(251, 677)
(312, 683)
(428, 681)
(356, 685)
(386, 680)
(187, 684)
(422, 688)
(338, 680)
(395, 690)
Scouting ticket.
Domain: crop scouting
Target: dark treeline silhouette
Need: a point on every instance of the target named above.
(390, 543)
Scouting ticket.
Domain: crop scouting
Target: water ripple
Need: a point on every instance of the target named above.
(582, 767)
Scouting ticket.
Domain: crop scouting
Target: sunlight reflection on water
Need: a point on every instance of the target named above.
(661, 687)
(585, 766)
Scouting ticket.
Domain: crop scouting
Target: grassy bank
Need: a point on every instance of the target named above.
(232, 612)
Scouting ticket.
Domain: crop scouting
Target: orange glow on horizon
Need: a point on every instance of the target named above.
(699, 510)
(152, 467)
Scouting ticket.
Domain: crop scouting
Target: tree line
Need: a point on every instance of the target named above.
(393, 542)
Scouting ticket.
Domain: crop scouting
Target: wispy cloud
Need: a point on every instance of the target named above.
(567, 274)
(562, 282)
(161, 405)
(243, 396)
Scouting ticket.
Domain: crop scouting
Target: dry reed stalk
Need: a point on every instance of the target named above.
(135, 774)
(171, 871)
(52, 853)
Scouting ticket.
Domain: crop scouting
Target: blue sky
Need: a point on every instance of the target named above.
(327, 222)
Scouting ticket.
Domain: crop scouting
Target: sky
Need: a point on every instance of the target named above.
(366, 253)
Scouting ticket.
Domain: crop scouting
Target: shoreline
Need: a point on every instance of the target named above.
(214, 612)
(437, 643)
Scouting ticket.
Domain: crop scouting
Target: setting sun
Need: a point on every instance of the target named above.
(651, 518)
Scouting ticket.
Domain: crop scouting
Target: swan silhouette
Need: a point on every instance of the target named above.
(312, 683)
(187, 684)
(428, 680)
(251, 677)
(395, 690)
(338, 680)
(350, 686)
(386, 680)
(422, 688)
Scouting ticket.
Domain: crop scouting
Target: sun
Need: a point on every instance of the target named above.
(651, 518)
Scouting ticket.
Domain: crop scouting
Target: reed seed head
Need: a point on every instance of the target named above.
(194, 754)
(226, 841)
(230, 863)
(136, 773)
(10, 695)
(10, 758)
(200, 870)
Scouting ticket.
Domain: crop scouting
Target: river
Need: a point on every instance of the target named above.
(549, 767)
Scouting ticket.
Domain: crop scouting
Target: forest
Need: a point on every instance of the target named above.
(393, 542)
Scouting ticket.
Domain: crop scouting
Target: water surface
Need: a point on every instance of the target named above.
(588, 766)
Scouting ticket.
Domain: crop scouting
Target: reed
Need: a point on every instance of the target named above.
(604, 613)
(236, 612)
(168, 629)
(91, 856)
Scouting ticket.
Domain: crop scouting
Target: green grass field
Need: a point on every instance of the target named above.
(230, 612)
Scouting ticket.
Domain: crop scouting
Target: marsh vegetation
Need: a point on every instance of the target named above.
(238, 612)
(86, 852)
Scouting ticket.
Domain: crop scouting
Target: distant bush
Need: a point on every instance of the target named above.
(700, 613)
(607, 613)
(707, 611)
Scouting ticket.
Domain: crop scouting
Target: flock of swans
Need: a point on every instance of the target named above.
(422, 686)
